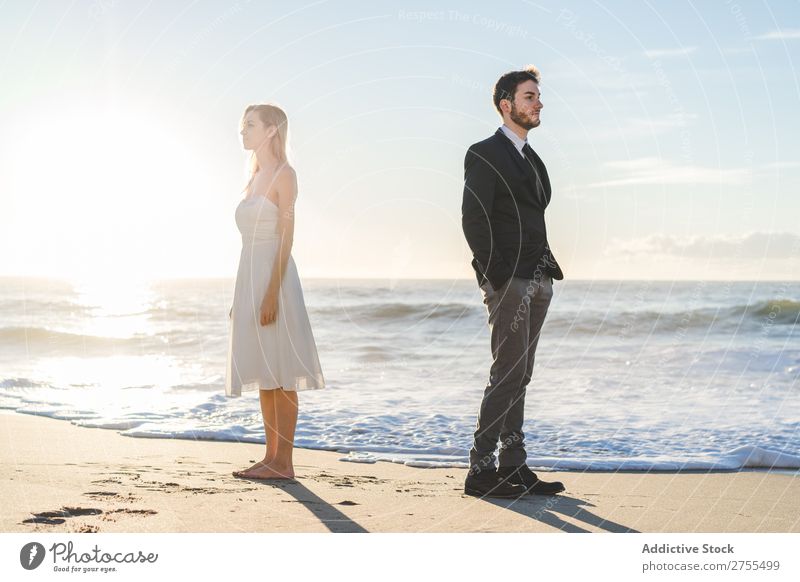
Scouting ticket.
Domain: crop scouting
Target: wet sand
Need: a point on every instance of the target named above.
(57, 477)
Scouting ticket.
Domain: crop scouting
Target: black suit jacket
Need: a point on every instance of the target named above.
(502, 212)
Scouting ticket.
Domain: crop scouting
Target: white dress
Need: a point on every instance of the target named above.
(282, 353)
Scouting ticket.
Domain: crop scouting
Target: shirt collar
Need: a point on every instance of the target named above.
(515, 139)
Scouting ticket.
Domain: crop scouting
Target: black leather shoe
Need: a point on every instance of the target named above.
(522, 475)
(488, 483)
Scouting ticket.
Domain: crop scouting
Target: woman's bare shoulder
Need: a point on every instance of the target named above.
(286, 177)
(286, 171)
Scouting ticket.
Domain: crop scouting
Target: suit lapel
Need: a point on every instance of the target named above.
(544, 177)
(519, 161)
(525, 167)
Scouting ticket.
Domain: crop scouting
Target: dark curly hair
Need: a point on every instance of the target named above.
(506, 86)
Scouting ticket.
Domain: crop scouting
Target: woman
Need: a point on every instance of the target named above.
(271, 347)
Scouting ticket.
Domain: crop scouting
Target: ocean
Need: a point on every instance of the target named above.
(629, 375)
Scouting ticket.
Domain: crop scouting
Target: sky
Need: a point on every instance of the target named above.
(670, 133)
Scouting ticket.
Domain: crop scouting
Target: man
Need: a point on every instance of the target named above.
(506, 190)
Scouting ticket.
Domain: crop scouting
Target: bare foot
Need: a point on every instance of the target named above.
(262, 463)
(269, 472)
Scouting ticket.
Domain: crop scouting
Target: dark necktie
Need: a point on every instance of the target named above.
(528, 151)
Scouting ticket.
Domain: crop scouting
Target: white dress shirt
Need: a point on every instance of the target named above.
(515, 139)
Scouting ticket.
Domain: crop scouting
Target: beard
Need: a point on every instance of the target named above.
(519, 119)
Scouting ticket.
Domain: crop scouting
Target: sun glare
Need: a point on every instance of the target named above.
(95, 187)
(118, 309)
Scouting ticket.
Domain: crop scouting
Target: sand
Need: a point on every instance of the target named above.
(57, 477)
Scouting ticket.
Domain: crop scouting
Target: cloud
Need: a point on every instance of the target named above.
(755, 245)
(652, 170)
(786, 34)
(677, 52)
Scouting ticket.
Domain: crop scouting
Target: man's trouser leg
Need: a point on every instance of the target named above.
(516, 314)
(512, 439)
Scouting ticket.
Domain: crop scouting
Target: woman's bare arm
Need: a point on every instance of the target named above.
(286, 185)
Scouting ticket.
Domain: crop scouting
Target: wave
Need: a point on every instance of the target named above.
(388, 441)
(749, 317)
(20, 383)
(777, 316)
(161, 311)
(780, 311)
(400, 311)
(61, 339)
(49, 338)
(39, 333)
(746, 457)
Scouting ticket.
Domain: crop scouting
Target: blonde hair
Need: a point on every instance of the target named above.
(269, 114)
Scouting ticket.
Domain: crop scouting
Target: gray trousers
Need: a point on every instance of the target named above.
(516, 315)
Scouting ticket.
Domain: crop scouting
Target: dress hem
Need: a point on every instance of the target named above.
(257, 385)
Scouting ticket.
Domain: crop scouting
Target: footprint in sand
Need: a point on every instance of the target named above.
(57, 517)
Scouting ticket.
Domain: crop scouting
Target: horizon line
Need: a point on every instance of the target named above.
(576, 279)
